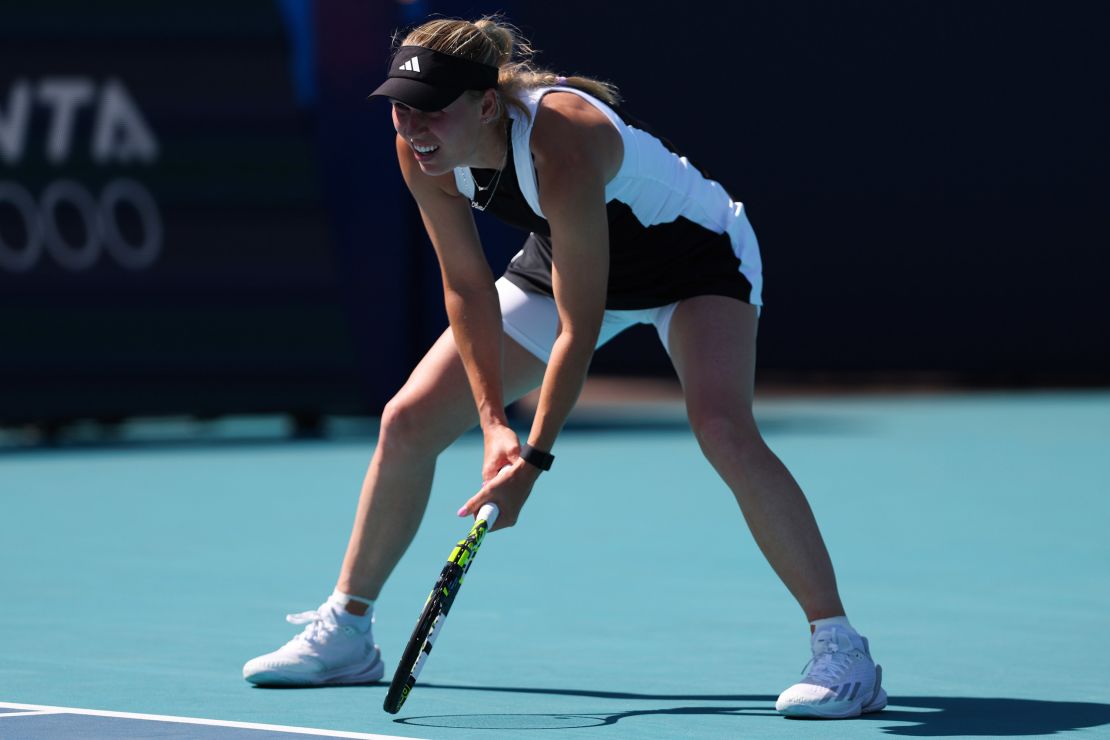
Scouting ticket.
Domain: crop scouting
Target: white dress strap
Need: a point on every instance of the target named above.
(522, 146)
(522, 138)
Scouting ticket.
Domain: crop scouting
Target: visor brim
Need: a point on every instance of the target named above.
(417, 94)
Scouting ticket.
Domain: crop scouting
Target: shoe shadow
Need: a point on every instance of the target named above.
(916, 716)
(944, 716)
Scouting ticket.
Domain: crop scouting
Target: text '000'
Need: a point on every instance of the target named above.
(98, 228)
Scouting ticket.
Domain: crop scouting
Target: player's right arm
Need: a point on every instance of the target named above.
(470, 297)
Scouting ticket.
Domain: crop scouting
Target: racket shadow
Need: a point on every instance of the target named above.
(566, 721)
(605, 694)
(907, 716)
(574, 720)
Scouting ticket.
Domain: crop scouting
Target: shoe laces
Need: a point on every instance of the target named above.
(318, 625)
(829, 662)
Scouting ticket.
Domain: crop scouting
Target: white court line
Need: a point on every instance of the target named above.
(5, 715)
(34, 709)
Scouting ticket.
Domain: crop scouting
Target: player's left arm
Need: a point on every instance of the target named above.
(576, 151)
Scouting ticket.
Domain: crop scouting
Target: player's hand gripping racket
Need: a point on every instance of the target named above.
(436, 608)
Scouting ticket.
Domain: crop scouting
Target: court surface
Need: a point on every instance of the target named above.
(969, 533)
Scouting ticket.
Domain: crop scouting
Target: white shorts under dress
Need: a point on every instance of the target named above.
(533, 320)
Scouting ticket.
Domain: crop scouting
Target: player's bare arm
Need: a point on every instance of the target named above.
(576, 151)
(468, 291)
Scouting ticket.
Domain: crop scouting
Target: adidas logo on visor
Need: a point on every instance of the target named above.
(412, 65)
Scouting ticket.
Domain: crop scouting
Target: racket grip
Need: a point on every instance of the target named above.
(489, 512)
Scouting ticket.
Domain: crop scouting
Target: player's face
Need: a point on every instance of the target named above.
(444, 139)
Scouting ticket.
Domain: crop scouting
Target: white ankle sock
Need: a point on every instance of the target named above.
(339, 601)
(841, 622)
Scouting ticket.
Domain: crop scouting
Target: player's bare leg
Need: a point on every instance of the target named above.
(433, 408)
(431, 411)
(712, 344)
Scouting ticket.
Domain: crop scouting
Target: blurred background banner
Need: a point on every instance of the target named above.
(166, 245)
(200, 212)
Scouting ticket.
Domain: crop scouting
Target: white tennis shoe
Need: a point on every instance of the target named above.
(328, 651)
(842, 680)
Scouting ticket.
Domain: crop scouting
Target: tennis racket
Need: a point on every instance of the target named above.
(436, 608)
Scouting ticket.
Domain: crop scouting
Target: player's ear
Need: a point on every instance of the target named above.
(490, 106)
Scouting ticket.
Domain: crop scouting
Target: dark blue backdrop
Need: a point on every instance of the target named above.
(928, 180)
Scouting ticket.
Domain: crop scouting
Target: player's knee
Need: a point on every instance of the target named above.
(720, 432)
(404, 424)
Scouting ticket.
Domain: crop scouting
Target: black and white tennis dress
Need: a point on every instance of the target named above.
(673, 234)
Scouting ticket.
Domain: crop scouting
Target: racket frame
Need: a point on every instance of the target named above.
(436, 608)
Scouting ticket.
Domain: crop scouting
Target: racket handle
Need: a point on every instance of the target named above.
(489, 512)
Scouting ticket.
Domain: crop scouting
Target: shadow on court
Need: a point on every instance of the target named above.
(927, 716)
(944, 716)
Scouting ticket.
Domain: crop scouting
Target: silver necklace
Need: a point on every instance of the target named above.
(492, 187)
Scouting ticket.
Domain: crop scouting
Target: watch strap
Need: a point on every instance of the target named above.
(538, 458)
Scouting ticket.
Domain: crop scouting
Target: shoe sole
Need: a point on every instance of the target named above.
(340, 677)
(802, 711)
(807, 711)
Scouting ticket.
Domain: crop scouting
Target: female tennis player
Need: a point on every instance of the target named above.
(622, 230)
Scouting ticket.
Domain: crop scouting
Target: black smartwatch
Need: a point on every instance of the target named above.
(538, 458)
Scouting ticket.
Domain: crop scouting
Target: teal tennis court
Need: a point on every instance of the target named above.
(969, 533)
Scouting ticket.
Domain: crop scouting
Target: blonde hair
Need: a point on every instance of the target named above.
(493, 41)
